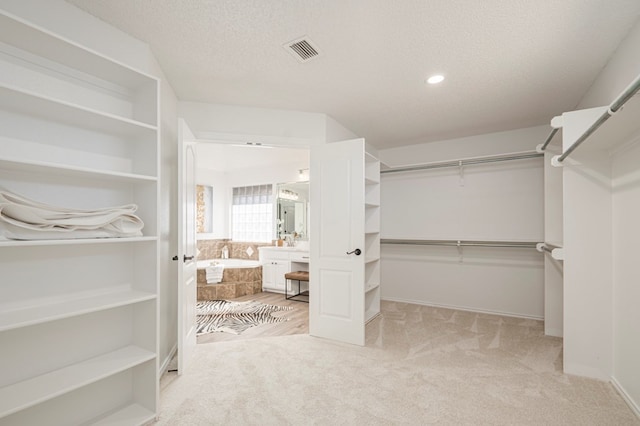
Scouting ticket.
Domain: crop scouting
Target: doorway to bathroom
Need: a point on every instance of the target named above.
(250, 196)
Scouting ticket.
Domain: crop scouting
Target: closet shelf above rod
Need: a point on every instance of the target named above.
(463, 243)
(614, 107)
(465, 161)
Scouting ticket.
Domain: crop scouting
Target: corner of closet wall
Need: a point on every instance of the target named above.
(622, 68)
(336, 132)
(433, 211)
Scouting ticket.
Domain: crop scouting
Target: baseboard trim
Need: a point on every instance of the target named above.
(463, 308)
(167, 360)
(554, 332)
(627, 398)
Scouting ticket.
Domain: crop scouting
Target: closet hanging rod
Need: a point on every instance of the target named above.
(549, 138)
(466, 161)
(614, 107)
(462, 243)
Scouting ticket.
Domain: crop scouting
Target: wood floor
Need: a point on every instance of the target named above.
(298, 320)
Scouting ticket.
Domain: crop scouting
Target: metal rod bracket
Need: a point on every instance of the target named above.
(556, 162)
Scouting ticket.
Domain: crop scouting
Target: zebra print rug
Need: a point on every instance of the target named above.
(234, 317)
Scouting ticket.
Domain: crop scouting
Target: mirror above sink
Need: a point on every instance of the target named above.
(293, 212)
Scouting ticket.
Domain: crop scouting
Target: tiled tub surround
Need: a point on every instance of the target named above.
(212, 249)
(236, 282)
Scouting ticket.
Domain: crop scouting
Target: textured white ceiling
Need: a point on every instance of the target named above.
(508, 63)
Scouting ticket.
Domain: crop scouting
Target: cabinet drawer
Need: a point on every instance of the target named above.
(276, 256)
(272, 253)
(302, 257)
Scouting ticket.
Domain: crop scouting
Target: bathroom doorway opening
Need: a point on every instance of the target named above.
(221, 167)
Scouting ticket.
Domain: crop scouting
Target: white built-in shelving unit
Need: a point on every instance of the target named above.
(599, 229)
(78, 317)
(372, 237)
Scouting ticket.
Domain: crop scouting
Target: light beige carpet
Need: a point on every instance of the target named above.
(421, 366)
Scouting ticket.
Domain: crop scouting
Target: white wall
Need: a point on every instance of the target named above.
(621, 69)
(472, 146)
(231, 123)
(336, 132)
(626, 274)
(247, 124)
(82, 28)
(496, 201)
(493, 201)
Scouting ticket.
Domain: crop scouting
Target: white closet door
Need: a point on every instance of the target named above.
(336, 309)
(187, 270)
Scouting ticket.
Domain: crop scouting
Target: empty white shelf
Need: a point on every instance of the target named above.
(27, 393)
(41, 42)
(134, 414)
(11, 319)
(16, 243)
(28, 103)
(65, 170)
(372, 286)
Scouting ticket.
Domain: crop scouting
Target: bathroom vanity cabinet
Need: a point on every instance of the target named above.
(78, 317)
(277, 261)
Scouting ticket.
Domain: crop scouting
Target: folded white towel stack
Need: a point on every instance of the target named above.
(214, 273)
(24, 219)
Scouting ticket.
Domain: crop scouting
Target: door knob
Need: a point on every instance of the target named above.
(357, 252)
(187, 258)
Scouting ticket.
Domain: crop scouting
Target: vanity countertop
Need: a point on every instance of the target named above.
(283, 248)
(293, 254)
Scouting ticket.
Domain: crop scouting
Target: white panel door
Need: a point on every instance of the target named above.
(336, 290)
(187, 270)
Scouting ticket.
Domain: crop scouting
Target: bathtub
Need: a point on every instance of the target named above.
(229, 263)
(241, 277)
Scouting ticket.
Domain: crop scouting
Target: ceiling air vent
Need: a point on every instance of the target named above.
(302, 49)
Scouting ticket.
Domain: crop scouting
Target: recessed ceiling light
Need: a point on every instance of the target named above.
(435, 79)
